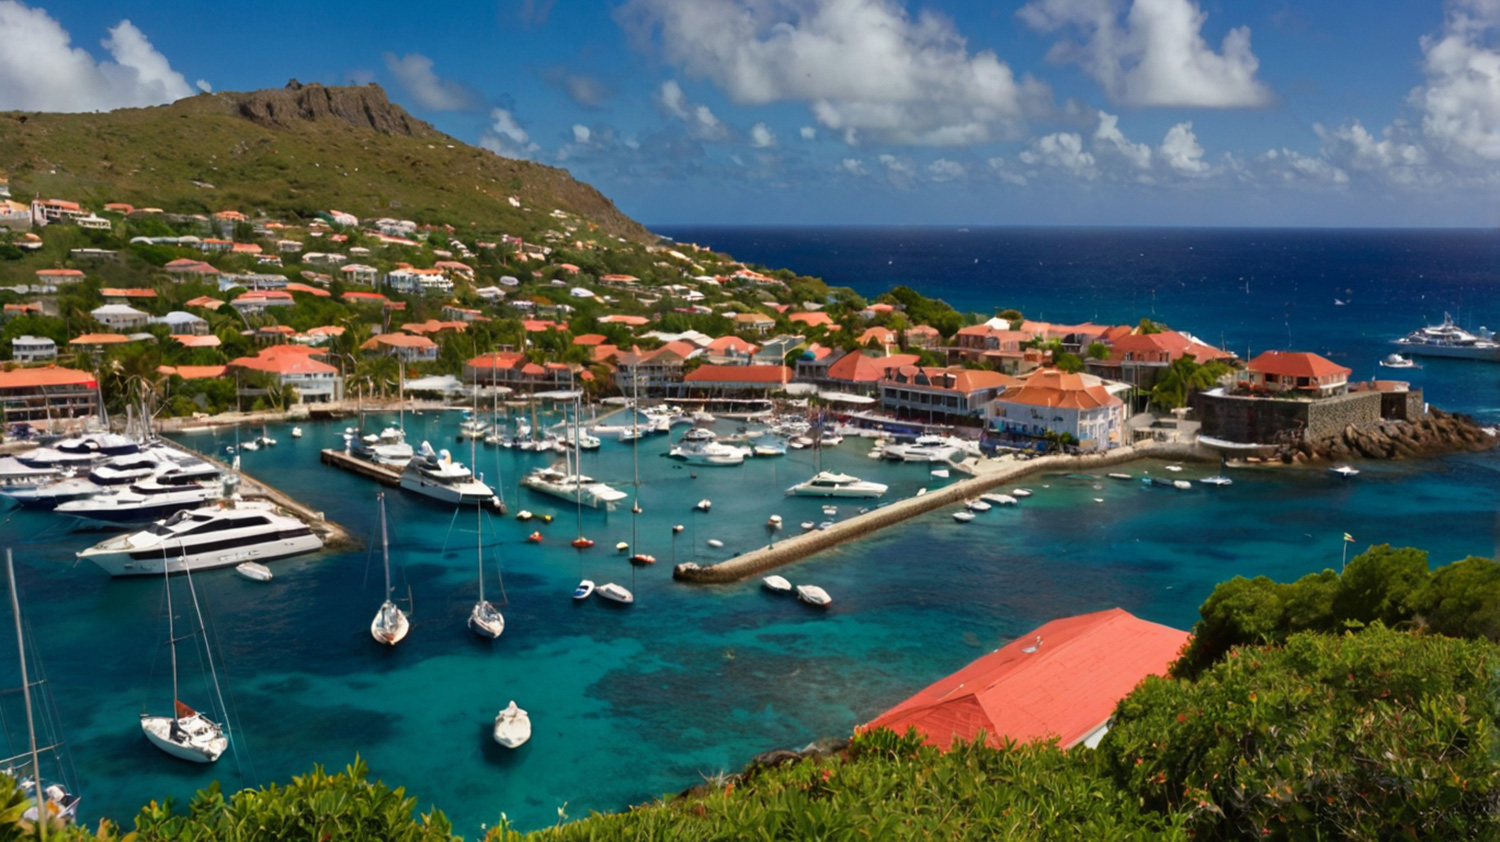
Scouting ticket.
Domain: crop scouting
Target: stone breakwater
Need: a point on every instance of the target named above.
(989, 475)
(1434, 434)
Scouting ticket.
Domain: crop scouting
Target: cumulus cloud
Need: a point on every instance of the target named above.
(204, 86)
(761, 136)
(1109, 138)
(413, 72)
(506, 137)
(1156, 55)
(699, 119)
(1290, 166)
(1063, 150)
(899, 171)
(862, 67)
(40, 70)
(1390, 156)
(808, 132)
(1182, 153)
(945, 170)
(581, 133)
(585, 91)
(1460, 101)
(853, 166)
(1001, 170)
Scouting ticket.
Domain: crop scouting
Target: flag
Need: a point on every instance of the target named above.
(1348, 537)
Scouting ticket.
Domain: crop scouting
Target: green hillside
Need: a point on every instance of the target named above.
(290, 153)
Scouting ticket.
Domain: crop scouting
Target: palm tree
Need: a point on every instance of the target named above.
(1181, 379)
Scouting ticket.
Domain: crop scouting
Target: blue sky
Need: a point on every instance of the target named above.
(1056, 112)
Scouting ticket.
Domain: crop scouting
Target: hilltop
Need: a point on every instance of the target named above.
(291, 152)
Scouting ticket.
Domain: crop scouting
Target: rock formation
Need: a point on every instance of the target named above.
(1437, 433)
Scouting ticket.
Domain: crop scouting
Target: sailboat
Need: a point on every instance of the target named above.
(580, 543)
(52, 796)
(639, 559)
(485, 620)
(390, 624)
(186, 734)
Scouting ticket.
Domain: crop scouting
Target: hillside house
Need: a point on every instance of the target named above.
(120, 317)
(408, 347)
(33, 349)
(294, 366)
(1294, 374)
(359, 273)
(47, 395)
(1140, 358)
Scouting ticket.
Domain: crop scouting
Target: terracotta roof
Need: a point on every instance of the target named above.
(856, 367)
(205, 301)
(1052, 388)
(811, 319)
(397, 340)
(363, 296)
(1067, 686)
(965, 380)
(99, 339)
(881, 335)
(633, 321)
(923, 330)
(495, 360)
(1296, 364)
(532, 370)
(289, 361)
(194, 372)
(326, 330)
(194, 341)
(310, 290)
(763, 374)
(540, 325)
(590, 339)
(59, 273)
(31, 378)
(1168, 344)
(731, 343)
(113, 292)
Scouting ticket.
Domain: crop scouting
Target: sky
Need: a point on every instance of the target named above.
(1048, 112)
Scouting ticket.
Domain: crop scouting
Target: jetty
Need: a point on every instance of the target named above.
(364, 467)
(334, 536)
(988, 474)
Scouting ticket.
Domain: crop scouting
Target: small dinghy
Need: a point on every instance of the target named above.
(296, 432)
(524, 515)
(715, 543)
(978, 506)
(1344, 471)
(584, 590)
(582, 543)
(253, 571)
(622, 547)
(512, 726)
(642, 559)
(774, 521)
(963, 517)
(827, 524)
(616, 593)
(814, 595)
(1020, 492)
(1181, 484)
(808, 526)
(704, 505)
(998, 499)
(534, 538)
(830, 511)
(776, 584)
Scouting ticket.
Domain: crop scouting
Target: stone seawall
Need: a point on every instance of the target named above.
(990, 476)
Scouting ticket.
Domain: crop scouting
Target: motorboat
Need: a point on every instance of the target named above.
(254, 571)
(1450, 340)
(434, 474)
(768, 446)
(1398, 361)
(615, 593)
(715, 543)
(1216, 480)
(833, 484)
(773, 522)
(204, 538)
(584, 590)
(296, 432)
(701, 447)
(524, 515)
(53, 494)
(808, 526)
(830, 510)
(473, 428)
(814, 595)
(978, 505)
(928, 448)
(79, 450)
(998, 499)
(963, 516)
(827, 524)
(1020, 492)
(940, 473)
(142, 502)
(512, 726)
(1344, 471)
(703, 505)
(642, 559)
(575, 488)
(1181, 484)
(776, 584)
(388, 447)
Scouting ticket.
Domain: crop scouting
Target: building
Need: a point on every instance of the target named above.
(1295, 374)
(757, 323)
(120, 316)
(730, 350)
(45, 211)
(33, 349)
(359, 273)
(941, 394)
(736, 380)
(59, 276)
(408, 347)
(1000, 347)
(861, 373)
(653, 372)
(294, 366)
(509, 368)
(47, 394)
(1051, 402)
(1061, 680)
(925, 337)
(1140, 358)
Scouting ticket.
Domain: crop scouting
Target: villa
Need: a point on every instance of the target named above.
(1053, 402)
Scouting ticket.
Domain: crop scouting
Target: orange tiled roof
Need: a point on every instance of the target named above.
(99, 339)
(1296, 364)
(856, 367)
(114, 292)
(1050, 387)
(30, 378)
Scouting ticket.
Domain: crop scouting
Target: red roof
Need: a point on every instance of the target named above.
(59, 273)
(99, 339)
(284, 359)
(193, 372)
(811, 319)
(731, 343)
(1067, 686)
(311, 290)
(398, 340)
(362, 296)
(766, 374)
(112, 292)
(31, 378)
(634, 321)
(1165, 346)
(1053, 388)
(1296, 364)
(495, 360)
(855, 367)
(590, 339)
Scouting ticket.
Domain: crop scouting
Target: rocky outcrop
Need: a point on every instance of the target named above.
(365, 107)
(1435, 434)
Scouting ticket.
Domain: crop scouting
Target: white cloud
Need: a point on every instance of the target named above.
(1181, 151)
(40, 70)
(853, 166)
(700, 120)
(808, 132)
(413, 72)
(1109, 139)
(1460, 102)
(506, 137)
(1156, 55)
(1291, 166)
(861, 66)
(581, 133)
(1063, 150)
(945, 170)
(1354, 148)
(1003, 172)
(204, 86)
(900, 172)
(761, 136)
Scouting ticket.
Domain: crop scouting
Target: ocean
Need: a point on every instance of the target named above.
(630, 704)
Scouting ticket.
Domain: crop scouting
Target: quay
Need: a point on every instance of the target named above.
(370, 470)
(334, 536)
(987, 475)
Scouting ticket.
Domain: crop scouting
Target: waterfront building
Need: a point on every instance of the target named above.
(1294, 373)
(860, 372)
(941, 394)
(1061, 680)
(654, 372)
(293, 365)
(47, 394)
(33, 349)
(1140, 358)
(730, 350)
(735, 381)
(409, 347)
(1053, 402)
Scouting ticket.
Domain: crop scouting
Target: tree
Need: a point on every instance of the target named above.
(1098, 351)
(1182, 378)
(1462, 599)
(1070, 363)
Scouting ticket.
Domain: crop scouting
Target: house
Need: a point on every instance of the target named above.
(1140, 358)
(754, 380)
(22, 308)
(47, 394)
(181, 322)
(348, 220)
(215, 244)
(407, 346)
(730, 350)
(315, 292)
(359, 273)
(758, 323)
(453, 312)
(775, 351)
(256, 301)
(46, 211)
(814, 319)
(945, 394)
(509, 368)
(194, 372)
(59, 276)
(188, 340)
(245, 248)
(877, 337)
(119, 316)
(813, 363)
(861, 373)
(288, 246)
(205, 302)
(293, 365)
(925, 337)
(33, 349)
(1052, 402)
(653, 372)
(1000, 347)
(875, 311)
(364, 298)
(93, 223)
(455, 269)
(1062, 679)
(97, 342)
(127, 294)
(14, 215)
(1295, 374)
(186, 266)
(620, 319)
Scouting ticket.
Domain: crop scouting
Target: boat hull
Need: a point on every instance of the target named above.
(140, 562)
(1456, 352)
(201, 747)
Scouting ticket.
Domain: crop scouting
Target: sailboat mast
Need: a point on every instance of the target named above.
(36, 761)
(577, 469)
(479, 548)
(635, 455)
(171, 635)
(385, 551)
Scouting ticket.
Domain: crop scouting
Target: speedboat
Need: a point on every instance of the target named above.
(963, 516)
(584, 590)
(1398, 361)
(776, 584)
(704, 505)
(998, 499)
(814, 595)
(254, 571)
(296, 432)
(575, 488)
(436, 475)
(1217, 479)
(833, 484)
(1344, 471)
(701, 447)
(642, 559)
(978, 506)
(512, 726)
(615, 593)
(773, 522)
(52, 494)
(1450, 340)
(1020, 492)
(205, 538)
(928, 448)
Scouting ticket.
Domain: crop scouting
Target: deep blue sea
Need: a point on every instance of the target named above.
(631, 704)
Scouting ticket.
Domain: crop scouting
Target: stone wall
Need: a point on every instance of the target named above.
(1269, 420)
(1329, 416)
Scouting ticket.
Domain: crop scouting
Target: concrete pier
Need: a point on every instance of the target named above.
(988, 475)
(363, 467)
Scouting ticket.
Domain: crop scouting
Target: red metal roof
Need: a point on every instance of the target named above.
(31, 378)
(856, 367)
(767, 374)
(1296, 364)
(1067, 686)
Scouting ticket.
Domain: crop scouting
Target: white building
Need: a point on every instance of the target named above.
(1051, 401)
(33, 349)
(120, 316)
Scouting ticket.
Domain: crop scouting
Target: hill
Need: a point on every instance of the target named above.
(291, 152)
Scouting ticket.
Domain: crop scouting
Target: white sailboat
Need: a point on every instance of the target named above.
(390, 624)
(484, 620)
(186, 734)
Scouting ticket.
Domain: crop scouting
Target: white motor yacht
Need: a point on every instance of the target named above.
(142, 502)
(512, 726)
(52, 494)
(1450, 340)
(927, 448)
(574, 488)
(833, 484)
(201, 539)
(701, 447)
(434, 474)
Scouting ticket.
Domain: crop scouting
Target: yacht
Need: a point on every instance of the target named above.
(77, 453)
(831, 484)
(388, 447)
(701, 447)
(927, 448)
(201, 539)
(51, 494)
(1450, 340)
(435, 474)
(574, 488)
(142, 502)
(1398, 361)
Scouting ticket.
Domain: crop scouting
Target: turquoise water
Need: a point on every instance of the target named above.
(628, 704)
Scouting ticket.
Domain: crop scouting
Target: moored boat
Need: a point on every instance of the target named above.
(615, 593)
(1450, 340)
(814, 595)
(201, 539)
(776, 584)
(512, 726)
(254, 571)
(834, 484)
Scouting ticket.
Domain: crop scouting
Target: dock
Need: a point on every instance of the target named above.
(987, 475)
(363, 467)
(334, 536)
